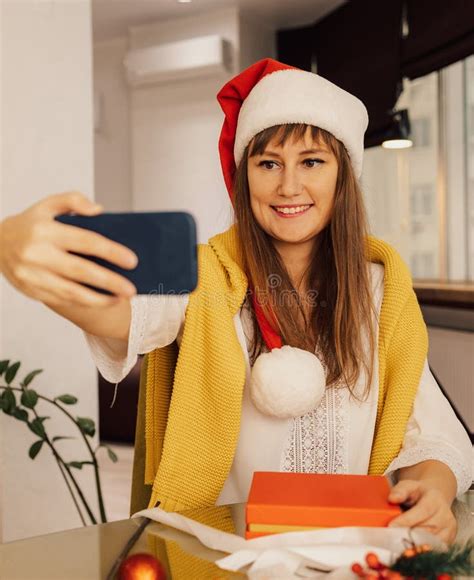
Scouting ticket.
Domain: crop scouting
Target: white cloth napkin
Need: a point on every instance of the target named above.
(294, 554)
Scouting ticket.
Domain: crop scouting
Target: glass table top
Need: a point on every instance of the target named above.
(89, 553)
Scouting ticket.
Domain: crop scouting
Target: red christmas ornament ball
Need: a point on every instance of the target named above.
(357, 569)
(141, 567)
(373, 561)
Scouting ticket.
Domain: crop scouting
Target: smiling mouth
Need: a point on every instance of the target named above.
(291, 210)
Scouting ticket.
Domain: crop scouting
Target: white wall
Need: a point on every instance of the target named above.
(162, 154)
(256, 40)
(113, 180)
(175, 130)
(47, 147)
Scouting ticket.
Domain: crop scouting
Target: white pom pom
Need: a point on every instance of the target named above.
(287, 382)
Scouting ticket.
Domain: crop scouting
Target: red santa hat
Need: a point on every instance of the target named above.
(286, 381)
(270, 93)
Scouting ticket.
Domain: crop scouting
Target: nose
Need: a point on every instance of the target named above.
(290, 184)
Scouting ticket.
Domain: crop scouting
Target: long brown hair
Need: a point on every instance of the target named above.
(338, 309)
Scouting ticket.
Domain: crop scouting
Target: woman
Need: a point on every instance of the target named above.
(303, 347)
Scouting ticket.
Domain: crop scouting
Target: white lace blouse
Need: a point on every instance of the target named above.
(336, 437)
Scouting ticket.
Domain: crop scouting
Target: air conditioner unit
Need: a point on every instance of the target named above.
(186, 59)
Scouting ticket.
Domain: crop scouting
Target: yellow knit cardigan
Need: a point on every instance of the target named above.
(190, 399)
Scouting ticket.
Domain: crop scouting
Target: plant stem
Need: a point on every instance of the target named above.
(61, 469)
(93, 457)
(73, 480)
(61, 460)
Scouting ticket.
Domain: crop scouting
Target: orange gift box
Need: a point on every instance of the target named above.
(280, 501)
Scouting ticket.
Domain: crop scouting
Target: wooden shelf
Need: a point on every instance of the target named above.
(443, 293)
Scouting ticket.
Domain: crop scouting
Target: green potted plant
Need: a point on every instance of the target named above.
(21, 402)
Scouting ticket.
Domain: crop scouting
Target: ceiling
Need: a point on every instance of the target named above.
(111, 18)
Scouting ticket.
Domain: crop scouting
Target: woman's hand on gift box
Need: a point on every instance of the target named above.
(426, 507)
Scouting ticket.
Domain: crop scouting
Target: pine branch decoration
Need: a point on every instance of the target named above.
(429, 565)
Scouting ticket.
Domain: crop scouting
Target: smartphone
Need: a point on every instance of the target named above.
(165, 243)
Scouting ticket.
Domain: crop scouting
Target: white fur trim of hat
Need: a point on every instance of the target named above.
(296, 96)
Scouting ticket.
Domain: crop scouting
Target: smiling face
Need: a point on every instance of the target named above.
(292, 188)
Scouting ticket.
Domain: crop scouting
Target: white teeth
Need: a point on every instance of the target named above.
(288, 210)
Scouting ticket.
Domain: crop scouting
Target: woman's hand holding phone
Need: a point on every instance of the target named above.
(35, 258)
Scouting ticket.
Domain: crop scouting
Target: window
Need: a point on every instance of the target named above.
(421, 199)
(421, 132)
(469, 108)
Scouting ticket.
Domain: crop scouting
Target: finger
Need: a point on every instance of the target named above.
(434, 521)
(83, 241)
(71, 201)
(443, 524)
(405, 491)
(56, 291)
(420, 512)
(448, 535)
(85, 271)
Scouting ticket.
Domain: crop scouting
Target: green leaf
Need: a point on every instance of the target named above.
(11, 372)
(3, 366)
(27, 380)
(112, 455)
(8, 401)
(86, 425)
(76, 464)
(29, 398)
(79, 464)
(35, 448)
(67, 399)
(21, 414)
(37, 427)
(59, 437)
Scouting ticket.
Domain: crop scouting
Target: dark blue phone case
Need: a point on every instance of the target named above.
(165, 243)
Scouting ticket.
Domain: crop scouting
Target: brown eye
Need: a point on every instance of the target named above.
(313, 162)
(266, 164)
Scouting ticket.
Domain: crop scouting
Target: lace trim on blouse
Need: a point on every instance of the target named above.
(440, 451)
(317, 441)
